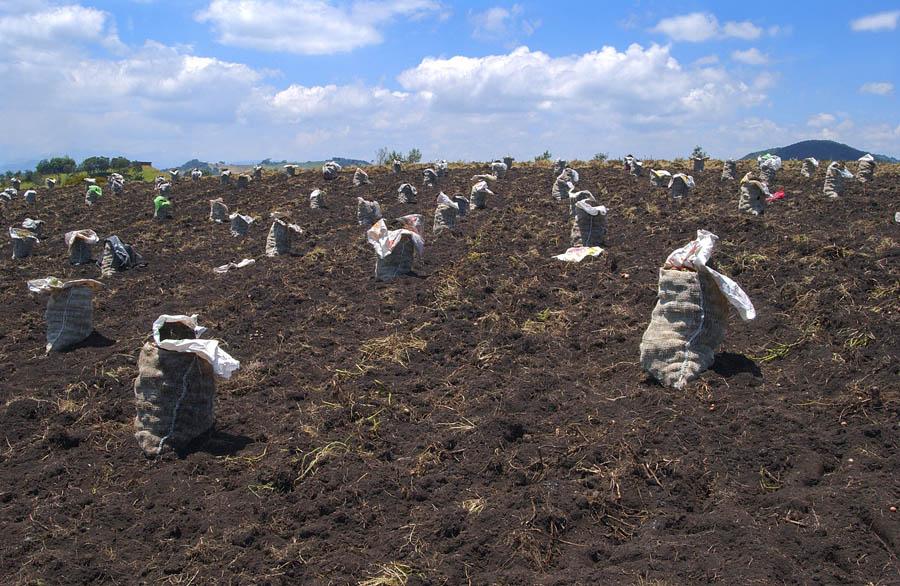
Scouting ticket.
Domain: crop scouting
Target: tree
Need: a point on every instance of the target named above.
(545, 156)
(119, 163)
(600, 157)
(93, 165)
(414, 156)
(698, 152)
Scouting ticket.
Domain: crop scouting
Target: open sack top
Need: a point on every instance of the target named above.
(55, 285)
(222, 363)
(688, 180)
(444, 200)
(22, 234)
(694, 256)
(384, 240)
(89, 237)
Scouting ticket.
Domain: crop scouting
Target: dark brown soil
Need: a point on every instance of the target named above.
(483, 422)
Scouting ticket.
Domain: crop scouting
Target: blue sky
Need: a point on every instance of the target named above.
(167, 80)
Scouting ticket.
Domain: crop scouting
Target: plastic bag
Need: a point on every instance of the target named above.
(579, 253)
(592, 210)
(384, 240)
(223, 364)
(233, 265)
(89, 236)
(695, 255)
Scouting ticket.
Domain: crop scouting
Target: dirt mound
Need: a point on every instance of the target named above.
(484, 421)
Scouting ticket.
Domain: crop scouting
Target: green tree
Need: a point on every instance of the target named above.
(414, 156)
(600, 157)
(95, 164)
(119, 163)
(545, 156)
(698, 152)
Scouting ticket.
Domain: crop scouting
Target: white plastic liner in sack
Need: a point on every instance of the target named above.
(688, 323)
(257, 173)
(637, 168)
(221, 270)
(564, 184)
(175, 388)
(196, 175)
(225, 177)
(175, 174)
(330, 170)
(70, 310)
(396, 249)
(442, 167)
(499, 169)
(79, 243)
(699, 163)
(290, 170)
(479, 195)
(36, 227)
(809, 166)
(559, 165)
(367, 212)
(30, 196)
(243, 181)
(429, 177)
(588, 223)
(660, 178)
(16, 182)
(23, 242)
(360, 178)
(680, 185)
(579, 253)
(396, 167)
(835, 175)
(445, 214)
(864, 173)
(406, 193)
(50, 183)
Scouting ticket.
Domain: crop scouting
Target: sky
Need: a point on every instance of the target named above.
(243, 80)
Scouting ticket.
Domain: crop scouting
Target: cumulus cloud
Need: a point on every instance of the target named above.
(500, 23)
(702, 26)
(880, 21)
(307, 27)
(53, 28)
(821, 120)
(878, 88)
(751, 56)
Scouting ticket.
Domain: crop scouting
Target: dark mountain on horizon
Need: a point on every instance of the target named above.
(823, 150)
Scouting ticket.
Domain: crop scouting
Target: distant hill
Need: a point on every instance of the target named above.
(824, 150)
(343, 162)
(196, 164)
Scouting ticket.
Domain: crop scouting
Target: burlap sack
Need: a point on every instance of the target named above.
(808, 167)
(508, 161)
(429, 177)
(768, 173)
(243, 181)
(360, 177)
(686, 327)
(559, 165)
(317, 199)
(627, 162)
(442, 168)
(225, 177)
(290, 170)
(445, 215)
(174, 395)
(218, 211)
(9, 193)
(699, 163)
(680, 185)
(16, 183)
(330, 170)
(36, 227)
(637, 168)
(117, 256)
(753, 196)
(564, 184)
(660, 178)
(31, 197)
(834, 180)
(69, 317)
(729, 168)
(257, 173)
(23, 242)
(93, 193)
(398, 262)
(396, 167)
(499, 169)
(864, 173)
(240, 224)
(479, 195)
(196, 175)
(50, 183)
(175, 174)
(79, 243)
(588, 229)
(280, 237)
(462, 204)
(367, 212)
(162, 208)
(406, 193)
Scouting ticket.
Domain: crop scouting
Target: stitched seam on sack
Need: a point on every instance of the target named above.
(177, 405)
(687, 344)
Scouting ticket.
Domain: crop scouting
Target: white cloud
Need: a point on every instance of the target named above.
(880, 21)
(500, 23)
(879, 88)
(702, 26)
(820, 120)
(53, 28)
(751, 56)
(307, 27)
